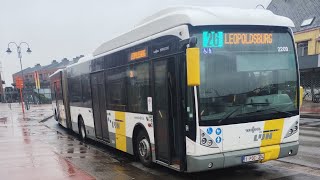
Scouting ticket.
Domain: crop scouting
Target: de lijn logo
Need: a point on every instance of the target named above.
(212, 39)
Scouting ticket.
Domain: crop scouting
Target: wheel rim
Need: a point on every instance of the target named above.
(144, 148)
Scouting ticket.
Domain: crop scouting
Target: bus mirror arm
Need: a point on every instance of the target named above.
(193, 42)
(188, 43)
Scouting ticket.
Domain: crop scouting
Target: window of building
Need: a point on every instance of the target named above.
(116, 89)
(302, 48)
(138, 85)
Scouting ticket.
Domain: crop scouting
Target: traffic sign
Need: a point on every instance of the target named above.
(19, 83)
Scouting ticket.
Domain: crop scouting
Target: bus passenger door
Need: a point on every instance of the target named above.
(165, 110)
(99, 106)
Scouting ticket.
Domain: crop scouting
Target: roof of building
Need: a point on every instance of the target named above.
(53, 66)
(299, 11)
(196, 16)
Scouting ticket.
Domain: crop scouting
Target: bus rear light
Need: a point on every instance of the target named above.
(295, 128)
(210, 165)
(209, 142)
(290, 152)
(291, 131)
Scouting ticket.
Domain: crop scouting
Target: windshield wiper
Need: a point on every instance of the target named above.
(276, 110)
(269, 109)
(238, 108)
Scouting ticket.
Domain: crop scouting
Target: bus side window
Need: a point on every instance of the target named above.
(86, 90)
(75, 90)
(138, 85)
(116, 89)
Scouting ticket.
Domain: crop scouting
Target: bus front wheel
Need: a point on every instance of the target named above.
(143, 148)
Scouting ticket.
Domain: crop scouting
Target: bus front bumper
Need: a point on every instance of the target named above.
(234, 158)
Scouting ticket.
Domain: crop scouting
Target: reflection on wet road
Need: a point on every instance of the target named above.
(104, 162)
(33, 150)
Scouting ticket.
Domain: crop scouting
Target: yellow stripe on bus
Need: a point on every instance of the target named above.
(121, 140)
(270, 144)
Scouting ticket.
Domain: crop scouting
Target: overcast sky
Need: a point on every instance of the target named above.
(56, 29)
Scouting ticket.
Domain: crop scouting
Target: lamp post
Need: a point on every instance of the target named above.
(20, 57)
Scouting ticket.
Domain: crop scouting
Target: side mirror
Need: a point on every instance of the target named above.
(193, 66)
(193, 42)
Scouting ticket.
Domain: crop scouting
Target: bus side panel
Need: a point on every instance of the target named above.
(64, 83)
(121, 126)
(87, 116)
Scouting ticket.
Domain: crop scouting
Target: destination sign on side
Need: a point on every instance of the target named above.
(138, 54)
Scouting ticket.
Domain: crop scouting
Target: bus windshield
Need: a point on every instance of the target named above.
(246, 75)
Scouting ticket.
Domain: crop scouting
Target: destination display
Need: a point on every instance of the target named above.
(219, 38)
(138, 54)
(219, 41)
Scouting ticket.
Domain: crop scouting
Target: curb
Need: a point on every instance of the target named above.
(45, 119)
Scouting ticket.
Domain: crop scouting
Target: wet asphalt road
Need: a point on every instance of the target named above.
(33, 150)
(103, 162)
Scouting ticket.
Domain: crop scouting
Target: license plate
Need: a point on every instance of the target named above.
(253, 158)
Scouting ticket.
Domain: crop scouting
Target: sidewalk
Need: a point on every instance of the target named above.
(25, 152)
(310, 109)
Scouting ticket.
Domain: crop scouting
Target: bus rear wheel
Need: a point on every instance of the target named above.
(56, 115)
(82, 129)
(143, 149)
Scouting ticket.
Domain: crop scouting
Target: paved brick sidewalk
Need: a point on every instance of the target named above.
(310, 109)
(24, 151)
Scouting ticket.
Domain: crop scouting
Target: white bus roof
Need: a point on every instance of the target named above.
(85, 58)
(56, 72)
(195, 16)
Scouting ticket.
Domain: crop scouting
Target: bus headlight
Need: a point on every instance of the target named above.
(204, 140)
(292, 130)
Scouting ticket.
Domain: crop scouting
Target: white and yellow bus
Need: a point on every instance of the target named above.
(190, 88)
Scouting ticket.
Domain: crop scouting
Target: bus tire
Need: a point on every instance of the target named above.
(82, 129)
(143, 148)
(55, 115)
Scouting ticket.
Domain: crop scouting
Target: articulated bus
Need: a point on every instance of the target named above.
(190, 88)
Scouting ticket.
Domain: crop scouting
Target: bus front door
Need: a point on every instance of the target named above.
(165, 110)
(99, 106)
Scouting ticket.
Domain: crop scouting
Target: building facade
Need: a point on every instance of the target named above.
(306, 16)
(42, 94)
(1, 88)
(1, 84)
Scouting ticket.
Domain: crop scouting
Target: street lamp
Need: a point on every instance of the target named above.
(20, 57)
